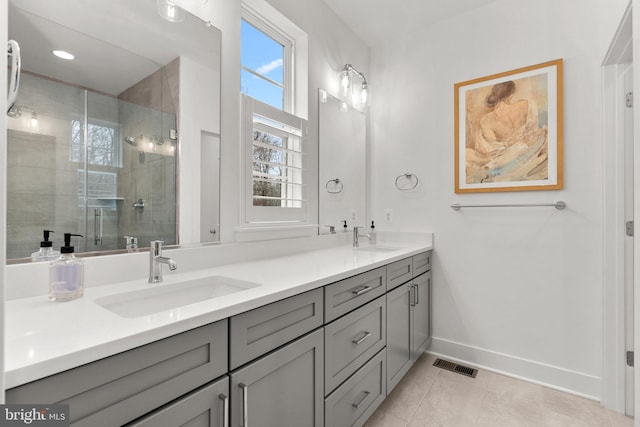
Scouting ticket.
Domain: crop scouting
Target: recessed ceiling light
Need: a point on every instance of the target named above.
(63, 54)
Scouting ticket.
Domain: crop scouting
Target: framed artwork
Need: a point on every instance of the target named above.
(508, 131)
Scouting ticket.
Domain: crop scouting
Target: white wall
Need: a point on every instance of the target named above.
(515, 290)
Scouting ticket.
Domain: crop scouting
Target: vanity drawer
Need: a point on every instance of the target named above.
(259, 331)
(352, 340)
(348, 294)
(399, 272)
(121, 388)
(354, 401)
(421, 263)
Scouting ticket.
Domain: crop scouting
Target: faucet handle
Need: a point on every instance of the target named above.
(156, 246)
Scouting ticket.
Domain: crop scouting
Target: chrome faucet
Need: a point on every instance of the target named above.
(357, 235)
(132, 243)
(156, 260)
(332, 228)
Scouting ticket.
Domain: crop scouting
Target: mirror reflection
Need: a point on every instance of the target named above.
(342, 181)
(93, 141)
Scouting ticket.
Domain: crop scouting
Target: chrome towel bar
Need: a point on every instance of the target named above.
(560, 205)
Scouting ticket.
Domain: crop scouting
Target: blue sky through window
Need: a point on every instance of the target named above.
(264, 56)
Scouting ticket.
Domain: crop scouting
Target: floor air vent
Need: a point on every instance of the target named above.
(454, 367)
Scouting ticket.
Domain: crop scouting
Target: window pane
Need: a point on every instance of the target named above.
(261, 53)
(261, 90)
(104, 147)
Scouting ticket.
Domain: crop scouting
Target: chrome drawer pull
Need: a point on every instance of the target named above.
(364, 290)
(366, 394)
(245, 410)
(358, 342)
(225, 409)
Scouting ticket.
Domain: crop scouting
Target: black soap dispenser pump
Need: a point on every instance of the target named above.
(46, 252)
(372, 234)
(66, 274)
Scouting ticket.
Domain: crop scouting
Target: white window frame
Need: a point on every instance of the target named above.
(261, 222)
(288, 86)
(271, 216)
(264, 16)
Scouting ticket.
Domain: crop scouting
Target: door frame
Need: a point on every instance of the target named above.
(616, 62)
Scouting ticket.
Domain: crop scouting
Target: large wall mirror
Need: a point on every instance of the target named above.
(98, 145)
(343, 159)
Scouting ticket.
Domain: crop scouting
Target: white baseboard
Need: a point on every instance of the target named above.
(577, 383)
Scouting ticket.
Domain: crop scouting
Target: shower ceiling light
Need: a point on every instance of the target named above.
(169, 11)
(63, 54)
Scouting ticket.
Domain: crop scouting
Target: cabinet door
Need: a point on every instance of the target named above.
(206, 407)
(284, 388)
(399, 319)
(421, 314)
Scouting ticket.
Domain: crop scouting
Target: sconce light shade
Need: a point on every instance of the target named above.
(169, 11)
(359, 93)
(364, 94)
(344, 82)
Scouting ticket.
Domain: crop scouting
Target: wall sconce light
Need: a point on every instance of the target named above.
(170, 11)
(16, 112)
(349, 77)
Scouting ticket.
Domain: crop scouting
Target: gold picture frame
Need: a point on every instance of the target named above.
(508, 131)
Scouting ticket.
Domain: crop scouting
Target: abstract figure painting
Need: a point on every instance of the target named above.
(508, 131)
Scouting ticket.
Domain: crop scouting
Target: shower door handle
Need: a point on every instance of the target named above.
(97, 225)
(13, 50)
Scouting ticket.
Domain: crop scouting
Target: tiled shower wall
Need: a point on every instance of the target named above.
(149, 171)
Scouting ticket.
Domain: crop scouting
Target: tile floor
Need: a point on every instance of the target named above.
(429, 396)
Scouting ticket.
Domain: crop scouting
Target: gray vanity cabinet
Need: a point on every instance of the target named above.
(121, 388)
(408, 322)
(283, 388)
(399, 334)
(207, 406)
(421, 314)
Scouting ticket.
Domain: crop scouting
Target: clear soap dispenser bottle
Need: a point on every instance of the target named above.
(66, 274)
(46, 252)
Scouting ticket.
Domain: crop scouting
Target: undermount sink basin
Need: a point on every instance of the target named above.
(166, 297)
(377, 249)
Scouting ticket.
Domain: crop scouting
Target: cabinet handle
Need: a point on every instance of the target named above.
(412, 295)
(225, 409)
(358, 403)
(417, 294)
(245, 411)
(364, 290)
(358, 342)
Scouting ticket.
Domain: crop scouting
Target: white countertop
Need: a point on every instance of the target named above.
(43, 338)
